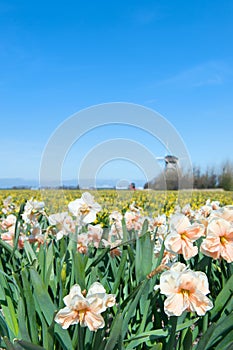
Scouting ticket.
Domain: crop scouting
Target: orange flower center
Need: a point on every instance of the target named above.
(223, 240)
(81, 314)
(183, 235)
(84, 210)
(185, 292)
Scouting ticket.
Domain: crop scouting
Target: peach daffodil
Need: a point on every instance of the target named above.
(31, 211)
(185, 290)
(225, 213)
(9, 223)
(183, 234)
(85, 310)
(85, 208)
(133, 220)
(64, 224)
(94, 233)
(219, 240)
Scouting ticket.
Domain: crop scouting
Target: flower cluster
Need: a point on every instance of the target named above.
(210, 228)
(30, 229)
(153, 274)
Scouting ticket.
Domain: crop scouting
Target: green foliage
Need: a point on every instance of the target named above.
(34, 281)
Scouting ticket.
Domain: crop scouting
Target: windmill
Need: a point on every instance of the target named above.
(171, 162)
(169, 179)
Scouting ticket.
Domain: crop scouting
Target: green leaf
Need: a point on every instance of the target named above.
(125, 231)
(144, 256)
(23, 332)
(222, 299)
(79, 265)
(31, 256)
(3, 326)
(42, 297)
(216, 332)
(96, 340)
(8, 308)
(115, 333)
(223, 326)
(7, 303)
(144, 337)
(17, 229)
(226, 343)
(27, 345)
(63, 336)
(98, 259)
(186, 324)
(46, 336)
(30, 306)
(129, 311)
(202, 344)
(158, 346)
(120, 271)
(188, 340)
(145, 303)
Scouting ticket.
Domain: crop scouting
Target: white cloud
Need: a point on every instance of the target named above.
(208, 73)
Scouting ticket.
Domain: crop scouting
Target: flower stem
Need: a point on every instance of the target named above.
(80, 338)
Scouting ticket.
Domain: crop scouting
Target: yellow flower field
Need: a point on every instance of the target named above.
(113, 270)
(152, 202)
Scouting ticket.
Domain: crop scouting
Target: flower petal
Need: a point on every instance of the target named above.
(199, 303)
(96, 288)
(93, 321)
(227, 252)
(168, 283)
(195, 231)
(188, 249)
(173, 242)
(66, 317)
(211, 247)
(174, 305)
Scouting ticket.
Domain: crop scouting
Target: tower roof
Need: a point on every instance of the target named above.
(171, 159)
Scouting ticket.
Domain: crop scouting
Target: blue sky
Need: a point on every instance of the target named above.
(56, 58)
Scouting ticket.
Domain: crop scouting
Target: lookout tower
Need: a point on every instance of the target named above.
(171, 172)
(171, 163)
(169, 178)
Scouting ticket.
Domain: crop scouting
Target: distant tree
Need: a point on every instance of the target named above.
(196, 177)
(172, 180)
(212, 178)
(226, 176)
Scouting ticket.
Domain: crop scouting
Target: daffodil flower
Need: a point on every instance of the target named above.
(182, 236)
(84, 208)
(219, 240)
(85, 310)
(185, 290)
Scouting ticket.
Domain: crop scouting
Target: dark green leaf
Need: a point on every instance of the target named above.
(42, 297)
(115, 334)
(222, 299)
(27, 345)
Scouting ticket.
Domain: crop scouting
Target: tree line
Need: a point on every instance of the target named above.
(210, 178)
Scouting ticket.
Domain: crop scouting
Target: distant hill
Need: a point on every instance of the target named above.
(8, 183)
(17, 182)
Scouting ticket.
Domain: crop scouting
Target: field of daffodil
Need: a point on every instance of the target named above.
(112, 270)
(152, 202)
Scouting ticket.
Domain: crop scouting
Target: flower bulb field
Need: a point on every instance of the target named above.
(110, 270)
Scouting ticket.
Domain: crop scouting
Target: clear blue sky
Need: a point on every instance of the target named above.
(59, 57)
